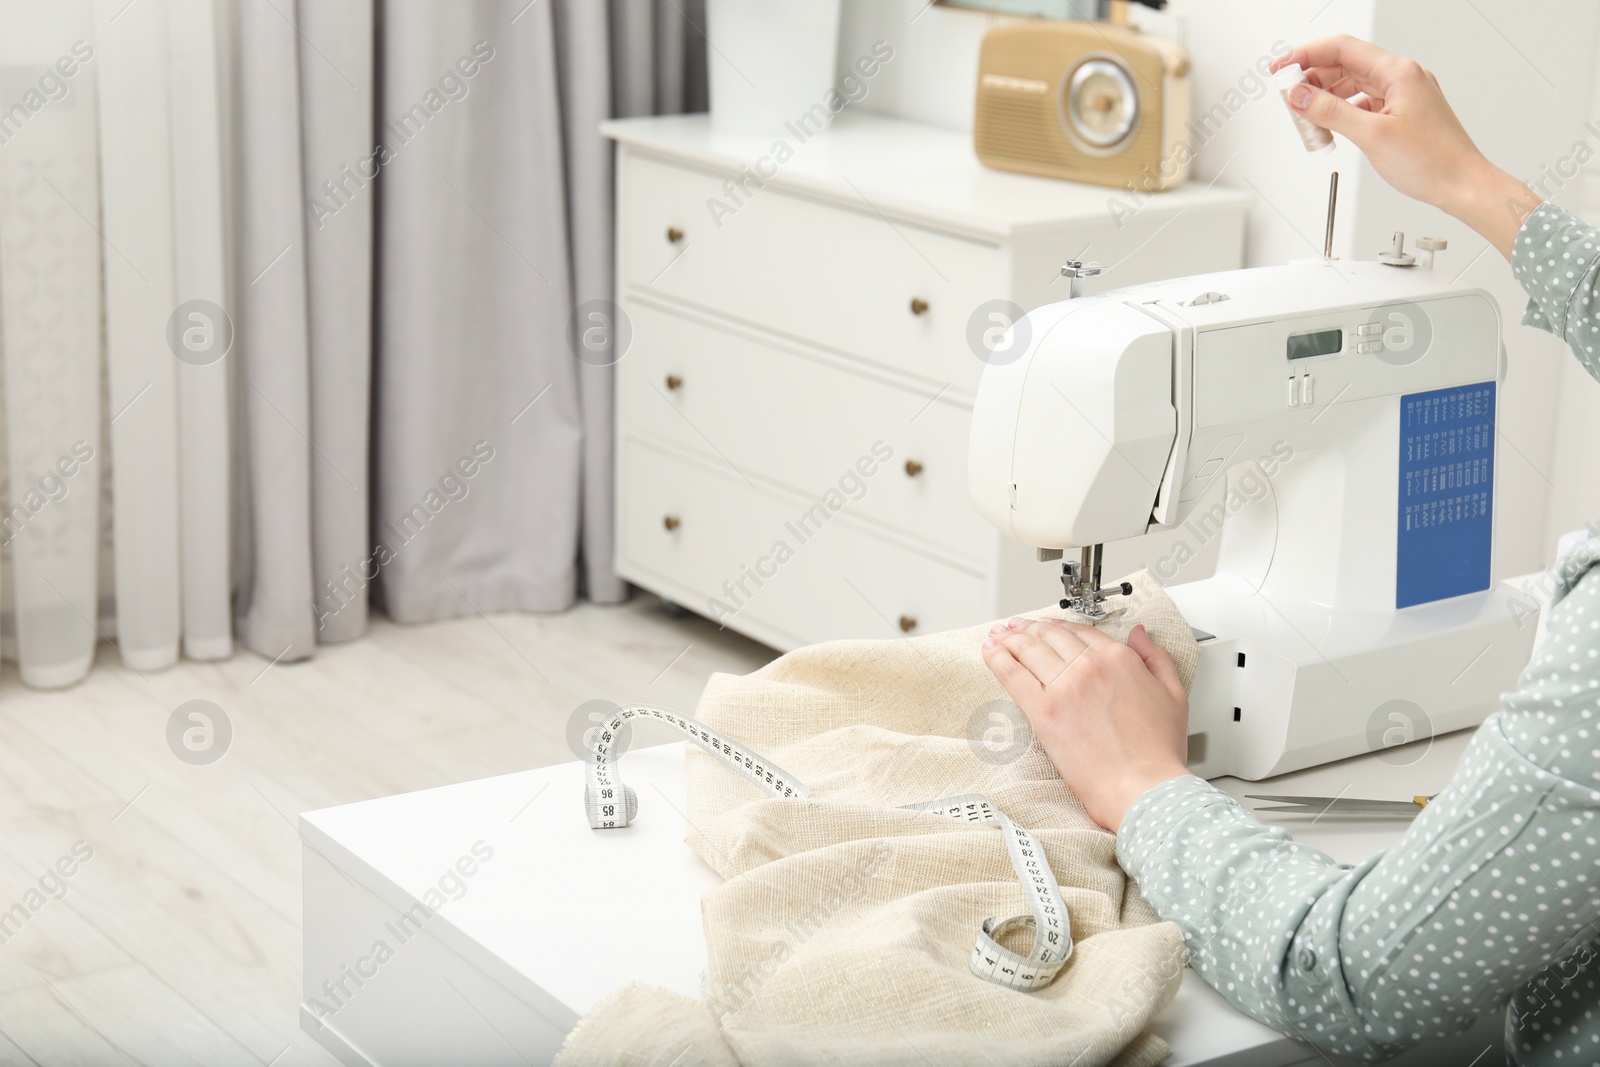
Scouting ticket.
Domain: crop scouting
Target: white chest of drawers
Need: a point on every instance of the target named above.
(792, 407)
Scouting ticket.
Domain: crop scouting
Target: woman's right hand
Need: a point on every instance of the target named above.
(1402, 122)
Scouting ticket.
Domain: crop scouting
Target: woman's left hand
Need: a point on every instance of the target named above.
(1113, 718)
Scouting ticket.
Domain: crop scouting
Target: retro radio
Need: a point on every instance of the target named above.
(1089, 101)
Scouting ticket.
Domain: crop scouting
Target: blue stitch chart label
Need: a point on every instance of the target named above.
(1446, 515)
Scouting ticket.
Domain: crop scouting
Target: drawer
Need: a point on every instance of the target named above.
(804, 423)
(759, 562)
(845, 279)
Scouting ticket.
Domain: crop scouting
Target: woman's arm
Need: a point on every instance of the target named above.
(1476, 900)
(1496, 879)
(1557, 261)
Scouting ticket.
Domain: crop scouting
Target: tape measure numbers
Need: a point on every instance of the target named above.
(609, 803)
(1052, 929)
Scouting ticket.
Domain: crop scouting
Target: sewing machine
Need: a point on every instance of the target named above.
(1350, 410)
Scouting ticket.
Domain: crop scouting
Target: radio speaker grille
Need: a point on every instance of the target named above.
(1021, 128)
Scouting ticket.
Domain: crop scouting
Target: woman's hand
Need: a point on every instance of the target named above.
(1113, 718)
(1394, 111)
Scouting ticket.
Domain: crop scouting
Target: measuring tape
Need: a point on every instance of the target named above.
(609, 804)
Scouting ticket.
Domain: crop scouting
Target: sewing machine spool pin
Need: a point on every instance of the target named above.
(1333, 207)
(1081, 582)
(1075, 271)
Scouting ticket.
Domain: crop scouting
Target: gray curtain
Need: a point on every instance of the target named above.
(422, 201)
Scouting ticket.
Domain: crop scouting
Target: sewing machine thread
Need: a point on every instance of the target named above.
(1314, 137)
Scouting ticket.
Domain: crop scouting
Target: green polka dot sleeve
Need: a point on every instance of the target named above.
(1490, 901)
(1556, 258)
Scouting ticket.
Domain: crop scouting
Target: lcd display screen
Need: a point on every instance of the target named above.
(1320, 343)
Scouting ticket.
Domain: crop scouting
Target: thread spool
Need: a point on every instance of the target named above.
(1314, 137)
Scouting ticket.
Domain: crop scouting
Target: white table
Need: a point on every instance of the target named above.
(559, 915)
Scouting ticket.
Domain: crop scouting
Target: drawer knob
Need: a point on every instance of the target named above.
(918, 305)
(674, 235)
(913, 468)
(908, 623)
(674, 381)
(671, 522)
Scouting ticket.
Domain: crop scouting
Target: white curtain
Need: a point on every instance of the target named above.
(111, 226)
(432, 173)
(232, 261)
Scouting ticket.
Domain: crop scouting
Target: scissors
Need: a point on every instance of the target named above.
(1344, 805)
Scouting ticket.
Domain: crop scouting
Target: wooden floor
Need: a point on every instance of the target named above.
(178, 941)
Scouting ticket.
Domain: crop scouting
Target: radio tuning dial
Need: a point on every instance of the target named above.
(1102, 104)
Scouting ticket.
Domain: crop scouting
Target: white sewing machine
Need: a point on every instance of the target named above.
(1351, 409)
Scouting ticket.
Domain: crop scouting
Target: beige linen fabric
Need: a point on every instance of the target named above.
(843, 931)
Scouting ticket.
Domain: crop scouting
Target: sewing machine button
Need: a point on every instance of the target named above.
(1367, 329)
(1305, 390)
(1294, 393)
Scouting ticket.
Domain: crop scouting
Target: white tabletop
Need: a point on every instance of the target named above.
(912, 171)
(578, 913)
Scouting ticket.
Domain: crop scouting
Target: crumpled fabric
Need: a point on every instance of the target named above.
(843, 930)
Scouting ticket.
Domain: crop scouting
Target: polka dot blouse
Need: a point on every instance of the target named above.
(1492, 898)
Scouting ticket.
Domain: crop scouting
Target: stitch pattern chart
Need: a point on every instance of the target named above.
(1446, 508)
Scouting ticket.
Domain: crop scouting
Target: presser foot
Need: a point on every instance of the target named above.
(1081, 582)
(1091, 605)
